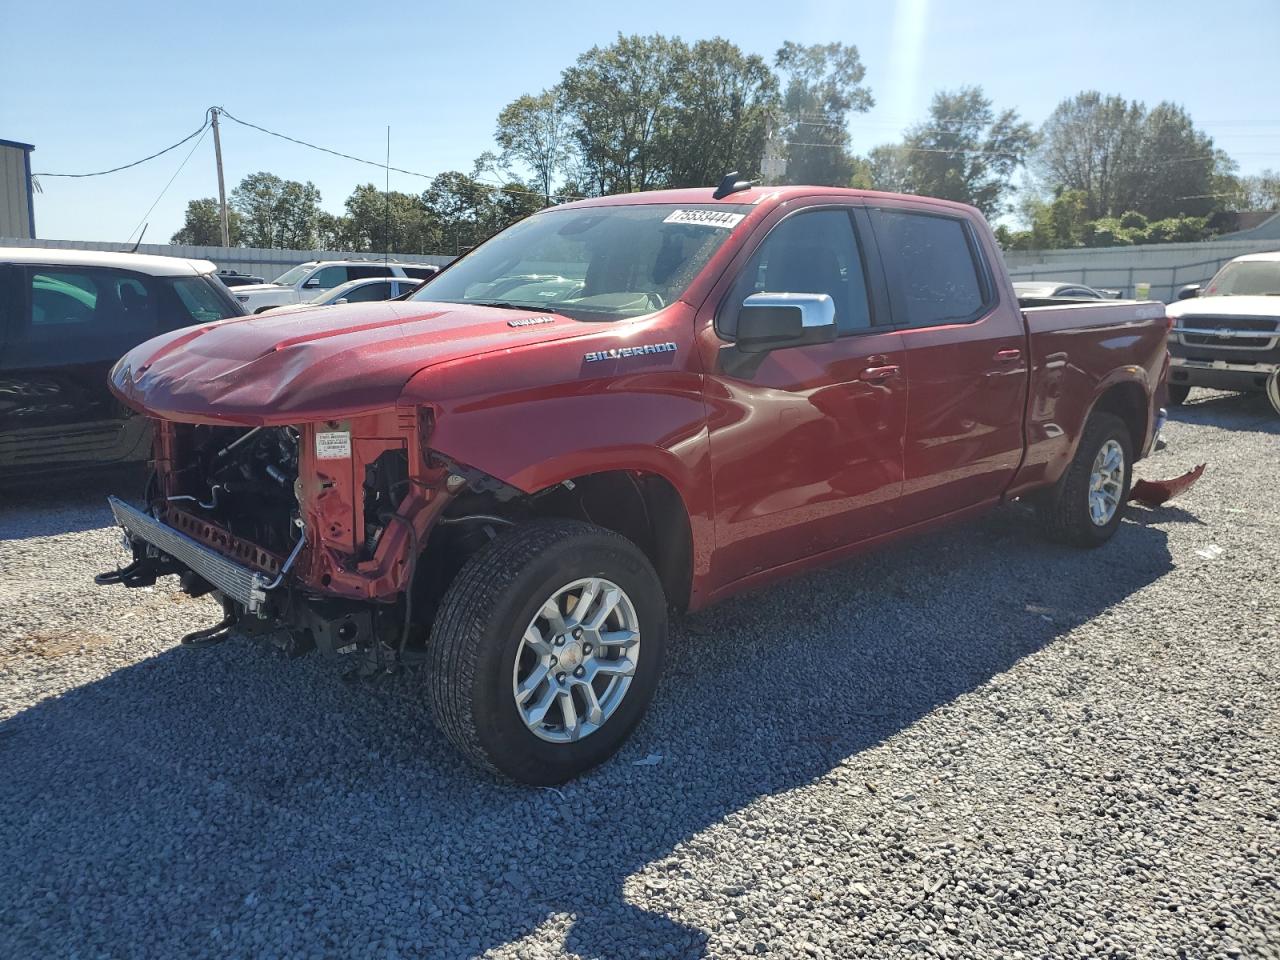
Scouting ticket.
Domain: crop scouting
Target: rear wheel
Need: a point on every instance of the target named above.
(1083, 508)
(1273, 390)
(1178, 394)
(547, 649)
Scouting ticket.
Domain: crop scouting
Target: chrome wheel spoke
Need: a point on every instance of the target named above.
(622, 667)
(568, 712)
(609, 597)
(537, 714)
(619, 638)
(595, 713)
(582, 606)
(536, 642)
(529, 686)
(550, 612)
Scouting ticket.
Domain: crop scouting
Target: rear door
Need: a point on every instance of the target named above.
(806, 442)
(68, 325)
(965, 345)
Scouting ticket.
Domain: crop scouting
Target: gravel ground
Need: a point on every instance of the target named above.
(975, 745)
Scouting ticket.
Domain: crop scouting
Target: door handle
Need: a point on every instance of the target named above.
(1008, 356)
(876, 374)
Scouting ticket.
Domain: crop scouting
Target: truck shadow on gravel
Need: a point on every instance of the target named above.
(223, 802)
(70, 502)
(1230, 411)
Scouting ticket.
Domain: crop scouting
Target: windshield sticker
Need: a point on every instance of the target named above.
(706, 218)
(620, 352)
(335, 445)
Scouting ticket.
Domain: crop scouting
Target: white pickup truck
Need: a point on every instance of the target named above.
(308, 279)
(1226, 334)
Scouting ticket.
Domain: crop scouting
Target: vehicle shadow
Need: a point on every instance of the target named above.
(247, 806)
(1230, 411)
(69, 502)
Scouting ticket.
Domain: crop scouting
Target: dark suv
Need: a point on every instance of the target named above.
(66, 316)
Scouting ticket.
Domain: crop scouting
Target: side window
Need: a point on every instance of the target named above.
(933, 267)
(813, 252)
(75, 302)
(200, 301)
(369, 292)
(364, 273)
(330, 277)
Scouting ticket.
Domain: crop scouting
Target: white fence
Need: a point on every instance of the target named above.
(1166, 266)
(255, 261)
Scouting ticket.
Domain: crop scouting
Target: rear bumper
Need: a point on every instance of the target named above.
(1220, 374)
(239, 583)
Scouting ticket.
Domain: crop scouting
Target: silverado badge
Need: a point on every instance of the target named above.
(621, 352)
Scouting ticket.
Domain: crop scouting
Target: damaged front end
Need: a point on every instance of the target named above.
(309, 533)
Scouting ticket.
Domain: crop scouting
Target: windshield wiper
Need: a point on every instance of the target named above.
(508, 305)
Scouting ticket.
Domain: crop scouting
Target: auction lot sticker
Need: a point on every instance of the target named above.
(334, 445)
(706, 218)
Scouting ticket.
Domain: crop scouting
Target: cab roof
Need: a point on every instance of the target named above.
(155, 266)
(757, 195)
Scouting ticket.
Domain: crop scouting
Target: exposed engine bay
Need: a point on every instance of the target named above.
(245, 481)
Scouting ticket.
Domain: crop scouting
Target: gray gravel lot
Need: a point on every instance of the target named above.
(974, 745)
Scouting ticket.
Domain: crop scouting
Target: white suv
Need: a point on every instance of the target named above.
(308, 279)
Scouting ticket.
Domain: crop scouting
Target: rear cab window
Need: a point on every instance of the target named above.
(935, 270)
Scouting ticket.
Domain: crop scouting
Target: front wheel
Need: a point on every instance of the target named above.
(547, 649)
(1083, 508)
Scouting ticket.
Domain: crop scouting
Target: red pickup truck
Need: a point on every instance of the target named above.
(613, 409)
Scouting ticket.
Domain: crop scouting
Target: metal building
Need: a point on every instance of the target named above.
(17, 213)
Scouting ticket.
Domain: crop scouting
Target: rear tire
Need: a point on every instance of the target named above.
(1078, 509)
(1178, 394)
(492, 636)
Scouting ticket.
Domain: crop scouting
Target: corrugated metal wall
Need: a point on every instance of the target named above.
(255, 261)
(15, 213)
(1166, 266)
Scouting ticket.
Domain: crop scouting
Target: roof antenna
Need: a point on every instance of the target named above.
(134, 248)
(731, 184)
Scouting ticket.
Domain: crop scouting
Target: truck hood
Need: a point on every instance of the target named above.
(1264, 307)
(323, 363)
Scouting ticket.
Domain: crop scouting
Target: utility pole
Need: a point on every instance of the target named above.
(222, 188)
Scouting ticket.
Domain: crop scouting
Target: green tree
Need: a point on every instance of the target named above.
(621, 101)
(1259, 192)
(821, 86)
(965, 151)
(380, 222)
(727, 103)
(1124, 157)
(202, 226)
(466, 212)
(533, 130)
(886, 167)
(276, 212)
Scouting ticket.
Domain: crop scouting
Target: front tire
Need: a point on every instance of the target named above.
(546, 650)
(1083, 508)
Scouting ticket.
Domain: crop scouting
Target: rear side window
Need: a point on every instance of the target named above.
(420, 273)
(934, 275)
(369, 292)
(364, 273)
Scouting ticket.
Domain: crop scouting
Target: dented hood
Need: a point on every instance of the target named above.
(315, 364)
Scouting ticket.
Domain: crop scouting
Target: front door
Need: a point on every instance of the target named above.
(806, 442)
(67, 326)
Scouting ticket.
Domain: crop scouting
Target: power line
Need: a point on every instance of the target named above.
(168, 185)
(371, 163)
(100, 173)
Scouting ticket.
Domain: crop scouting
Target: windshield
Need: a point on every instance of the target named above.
(290, 277)
(592, 263)
(324, 296)
(1246, 278)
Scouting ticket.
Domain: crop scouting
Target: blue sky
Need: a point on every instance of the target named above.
(94, 84)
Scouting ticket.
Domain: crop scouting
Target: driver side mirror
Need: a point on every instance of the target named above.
(775, 321)
(341, 300)
(1189, 291)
